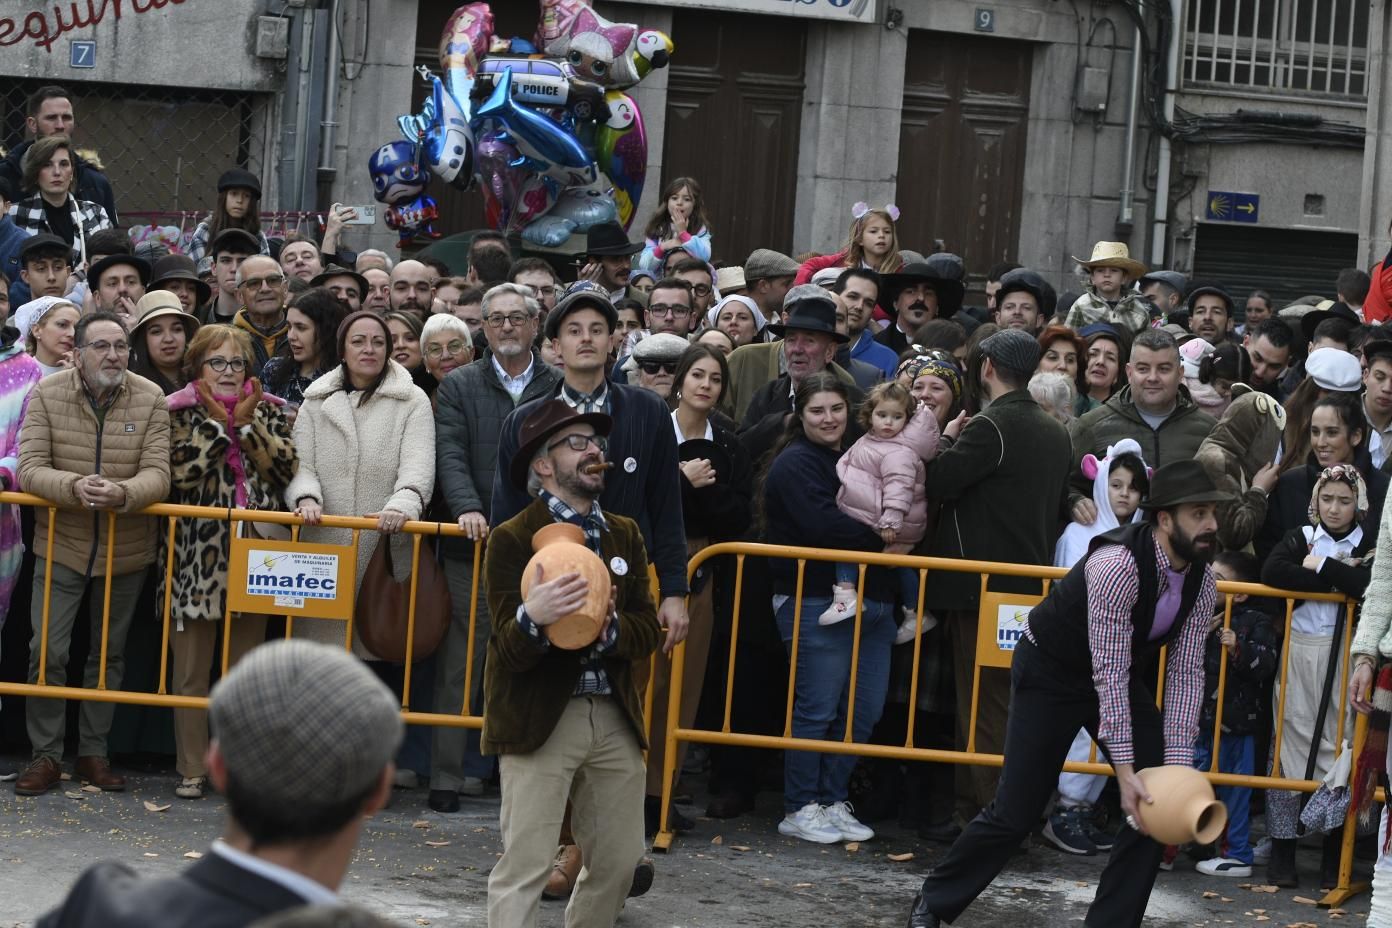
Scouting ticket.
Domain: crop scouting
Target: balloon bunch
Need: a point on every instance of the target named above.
(543, 126)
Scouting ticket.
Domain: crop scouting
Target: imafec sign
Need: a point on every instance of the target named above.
(291, 578)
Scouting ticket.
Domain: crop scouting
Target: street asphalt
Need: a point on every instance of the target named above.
(418, 868)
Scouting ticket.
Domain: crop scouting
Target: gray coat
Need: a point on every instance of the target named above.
(470, 406)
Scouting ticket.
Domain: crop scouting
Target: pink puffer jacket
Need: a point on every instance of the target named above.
(882, 478)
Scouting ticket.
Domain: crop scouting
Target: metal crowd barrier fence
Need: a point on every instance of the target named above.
(996, 609)
(469, 715)
(997, 612)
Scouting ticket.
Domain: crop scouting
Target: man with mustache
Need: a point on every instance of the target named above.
(914, 295)
(1141, 587)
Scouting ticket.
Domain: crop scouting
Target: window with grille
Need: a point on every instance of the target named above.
(163, 148)
(1315, 47)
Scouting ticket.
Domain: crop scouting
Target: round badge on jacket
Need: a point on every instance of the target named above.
(630, 465)
(618, 565)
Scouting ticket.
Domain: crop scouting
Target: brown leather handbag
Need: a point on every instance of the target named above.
(383, 602)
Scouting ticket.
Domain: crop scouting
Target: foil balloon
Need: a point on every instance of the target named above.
(575, 210)
(542, 83)
(543, 144)
(621, 151)
(399, 182)
(614, 55)
(500, 179)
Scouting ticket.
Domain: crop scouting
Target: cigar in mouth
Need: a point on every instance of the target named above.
(597, 468)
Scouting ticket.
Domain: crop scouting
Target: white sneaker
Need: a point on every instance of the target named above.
(405, 778)
(1223, 866)
(851, 828)
(810, 823)
(1262, 852)
(473, 786)
(843, 606)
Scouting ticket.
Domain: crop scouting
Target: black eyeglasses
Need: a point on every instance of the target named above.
(652, 367)
(221, 364)
(669, 309)
(581, 442)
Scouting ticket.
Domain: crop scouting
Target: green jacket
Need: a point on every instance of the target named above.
(1003, 486)
(527, 686)
(1177, 439)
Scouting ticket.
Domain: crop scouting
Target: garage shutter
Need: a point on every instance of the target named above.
(1287, 263)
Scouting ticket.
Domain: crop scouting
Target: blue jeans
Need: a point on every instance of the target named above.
(906, 577)
(1236, 754)
(822, 689)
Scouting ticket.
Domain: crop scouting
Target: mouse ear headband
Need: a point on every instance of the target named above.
(859, 210)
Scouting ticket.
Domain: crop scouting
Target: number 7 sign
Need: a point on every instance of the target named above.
(82, 53)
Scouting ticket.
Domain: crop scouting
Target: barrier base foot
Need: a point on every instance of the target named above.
(1341, 894)
(662, 841)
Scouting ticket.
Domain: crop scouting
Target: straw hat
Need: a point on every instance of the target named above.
(1113, 254)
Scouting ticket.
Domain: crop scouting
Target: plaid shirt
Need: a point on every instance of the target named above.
(87, 217)
(1113, 585)
(586, 403)
(593, 680)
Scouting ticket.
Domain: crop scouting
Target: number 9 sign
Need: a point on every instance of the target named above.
(985, 20)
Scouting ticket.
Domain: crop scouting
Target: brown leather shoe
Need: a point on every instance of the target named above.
(97, 771)
(42, 774)
(564, 872)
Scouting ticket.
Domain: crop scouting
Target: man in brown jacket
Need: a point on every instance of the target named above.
(95, 438)
(568, 724)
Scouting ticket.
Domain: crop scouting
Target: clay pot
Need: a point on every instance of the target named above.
(560, 549)
(1184, 810)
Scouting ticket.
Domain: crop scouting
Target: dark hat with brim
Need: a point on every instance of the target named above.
(1203, 289)
(609, 238)
(333, 270)
(44, 241)
(949, 291)
(235, 178)
(1310, 320)
(546, 420)
(142, 267)
(810, 309)
(583, 294)
(238, 240)
(1182, 482)
(1023, 280)
(179, 267)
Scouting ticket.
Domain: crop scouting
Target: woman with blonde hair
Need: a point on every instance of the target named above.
(231, 448)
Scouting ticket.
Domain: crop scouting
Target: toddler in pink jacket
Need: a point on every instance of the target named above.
(882, 485)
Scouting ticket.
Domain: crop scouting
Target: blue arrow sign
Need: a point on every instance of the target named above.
(1226, 206)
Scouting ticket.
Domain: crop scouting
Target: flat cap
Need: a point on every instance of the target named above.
(1013, 350)
(304, 722)
(764, 263)
(1335, 369)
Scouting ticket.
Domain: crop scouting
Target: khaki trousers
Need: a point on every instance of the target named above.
(193, 648)
(700, 611)
(592, 758)
(976, 786)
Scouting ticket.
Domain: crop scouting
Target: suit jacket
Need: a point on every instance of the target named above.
(527, 687)
(643, 485)
(213, 893)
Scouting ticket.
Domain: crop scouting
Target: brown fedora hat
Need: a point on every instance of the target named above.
(543, 422)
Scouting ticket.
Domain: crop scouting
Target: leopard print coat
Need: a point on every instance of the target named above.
(201, 476)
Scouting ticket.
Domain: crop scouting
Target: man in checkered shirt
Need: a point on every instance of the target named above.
(566, 723)
(1082, 663)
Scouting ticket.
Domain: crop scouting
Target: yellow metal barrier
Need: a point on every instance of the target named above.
(989, 654)
(161, 697)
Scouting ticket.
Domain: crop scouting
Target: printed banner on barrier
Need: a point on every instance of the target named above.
(291, 578)
(1000, 626)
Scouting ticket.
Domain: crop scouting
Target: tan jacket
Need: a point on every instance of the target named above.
(60, 443)
(753, 366)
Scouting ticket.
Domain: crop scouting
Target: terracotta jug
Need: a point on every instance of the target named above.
(560, 549)
(1184, 810)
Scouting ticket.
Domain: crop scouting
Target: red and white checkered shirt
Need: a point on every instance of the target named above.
(1113, 585)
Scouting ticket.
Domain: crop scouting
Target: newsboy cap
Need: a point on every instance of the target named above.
(1013, 350)
(304, 722)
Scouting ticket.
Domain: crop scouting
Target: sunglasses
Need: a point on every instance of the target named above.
(653, 367)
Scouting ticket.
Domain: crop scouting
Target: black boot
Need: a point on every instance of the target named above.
(1329, 859)
(920, 917)
(1280, 869)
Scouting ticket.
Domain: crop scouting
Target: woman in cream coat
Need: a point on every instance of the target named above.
(366, 442)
